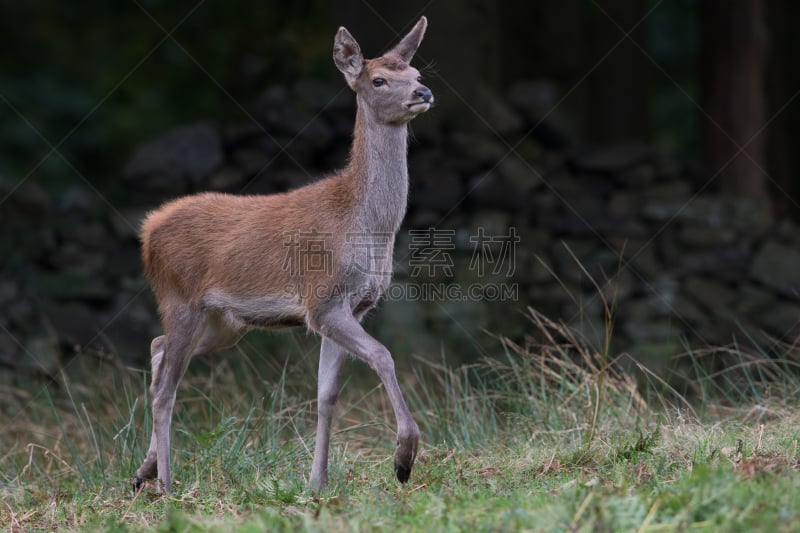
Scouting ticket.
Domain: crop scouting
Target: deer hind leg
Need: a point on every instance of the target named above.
(148, 469)
(168, 366)
(331, 360)
(187, 335)
(337, 323)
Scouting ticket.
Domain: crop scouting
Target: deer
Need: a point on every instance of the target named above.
(221, 264)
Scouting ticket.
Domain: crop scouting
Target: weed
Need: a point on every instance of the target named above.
(551, 435)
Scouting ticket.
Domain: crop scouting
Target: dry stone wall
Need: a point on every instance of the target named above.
(546, 222)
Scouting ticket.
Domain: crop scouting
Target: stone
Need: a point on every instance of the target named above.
(657, 355)
(663, 202)
(442, 191)
(74, 323)
(543, 202)
(531, 151)
(530, 268)
(613, 159)
(489, 190)
(565, 184)
(624, 204)
(41, 354)
(752, 299)
(618, 286)
(26, 199)
(710, 293)
(79, 199)
(780, 319)
(273, 97)
(473, 150)
(281, 114)
(86, 233)
(602, 265)
(22, 316)
(687, 310)
(493, 222)
(271, 181)
(66, 286)
(190, 153)
(126, 222)
(239, 133)
(724, 263)
(77, 261)
(638, 255)
(668, 169)
(299, 153)
(124, 261)
(226, 178)
(424, 164)
(523, 176)
(724, 212)
(9, 349)
(494, 110)
(397, 317)
(590, 330)
(320, 96)
(777, 266)
(336, 157)
(676, 190)
(459, 314)
(639, 176)
(617, 229)
(535, 98)
(695, 236)
(538, 101)
(8, 292)
(255, 157)
(424, 218)
(788, 232)
(638, 329)
(570, 256)
(532, 238)
(658, 299)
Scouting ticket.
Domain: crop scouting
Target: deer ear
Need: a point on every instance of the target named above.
(408, 46)
(347, 56)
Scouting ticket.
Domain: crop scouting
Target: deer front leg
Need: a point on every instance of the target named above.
(331, 359)
(335, 321)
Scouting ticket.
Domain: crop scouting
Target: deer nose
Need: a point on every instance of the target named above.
(424, 94)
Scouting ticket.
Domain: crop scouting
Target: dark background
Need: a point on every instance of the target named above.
(83, 87)
(105, 77)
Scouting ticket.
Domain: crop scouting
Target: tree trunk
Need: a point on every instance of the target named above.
(617, 90)
(732, 83)
(783, 82)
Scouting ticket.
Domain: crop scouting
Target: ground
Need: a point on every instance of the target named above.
(548, 438)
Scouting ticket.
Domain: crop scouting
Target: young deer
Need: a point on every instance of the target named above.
(220, 265)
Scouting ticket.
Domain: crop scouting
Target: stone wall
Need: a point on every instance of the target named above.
(680, 261)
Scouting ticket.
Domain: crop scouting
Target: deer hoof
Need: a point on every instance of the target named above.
(138, 483)
(402, 472)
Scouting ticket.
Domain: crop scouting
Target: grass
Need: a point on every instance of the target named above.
(551, 436)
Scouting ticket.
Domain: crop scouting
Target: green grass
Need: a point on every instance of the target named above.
(551, 436)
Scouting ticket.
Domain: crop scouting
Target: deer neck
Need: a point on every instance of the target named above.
(379, 171)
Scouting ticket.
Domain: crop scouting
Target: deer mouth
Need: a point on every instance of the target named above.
(419, 107)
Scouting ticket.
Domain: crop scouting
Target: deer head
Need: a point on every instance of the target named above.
(387, 87)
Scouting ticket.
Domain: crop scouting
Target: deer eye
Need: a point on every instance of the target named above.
(377, 82)
(419, 79)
